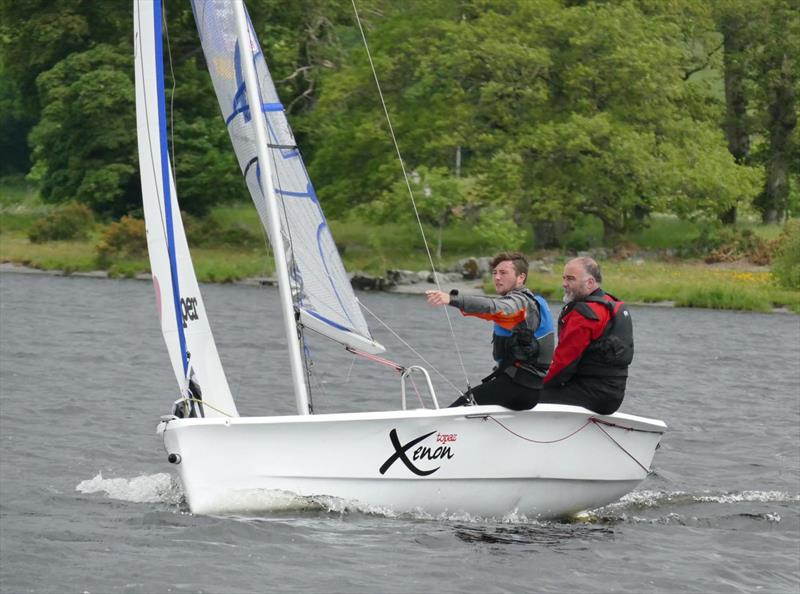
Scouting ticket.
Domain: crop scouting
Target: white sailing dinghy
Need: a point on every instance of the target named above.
(551, 461)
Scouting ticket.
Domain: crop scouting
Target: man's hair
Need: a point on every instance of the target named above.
(591, 268)
(519, 261)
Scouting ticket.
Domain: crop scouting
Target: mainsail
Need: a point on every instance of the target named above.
(184, 324)
(321, 290)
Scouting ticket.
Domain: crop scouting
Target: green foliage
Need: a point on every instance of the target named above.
(15, 126)
(438, 200)
(718, 243)
(206, 172)
(587, 233)
(663, 232)
(125, 238)
(556, 109)
(786, 263)
(212, 232)
(497, 231)
(84, 145)
(721, 298)
(70, 221)
(33, 38)
(20, 206)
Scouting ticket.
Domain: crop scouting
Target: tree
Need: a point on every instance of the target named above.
(777, 87)
(15, 125)
(759, 42)
(84, 145)
(732, 24)
(439, 199)
(560, 110)
(353, 160)
(622, 133)
(69, 71)
(37, 36)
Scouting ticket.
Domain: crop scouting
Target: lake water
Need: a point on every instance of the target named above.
(88, 504)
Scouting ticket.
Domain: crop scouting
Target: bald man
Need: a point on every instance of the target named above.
(595, 343)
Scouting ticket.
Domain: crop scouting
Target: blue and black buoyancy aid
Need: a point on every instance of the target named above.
(612, 353)
(525, 347)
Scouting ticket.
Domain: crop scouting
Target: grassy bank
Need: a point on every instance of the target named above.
(686, 284)
(375, 248)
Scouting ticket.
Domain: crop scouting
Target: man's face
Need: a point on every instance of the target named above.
(576, 282)
(506, 278)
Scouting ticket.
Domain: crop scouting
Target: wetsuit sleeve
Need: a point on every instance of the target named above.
(506, 311)
(574, 336)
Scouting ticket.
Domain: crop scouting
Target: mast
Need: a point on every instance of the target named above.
(268, 190)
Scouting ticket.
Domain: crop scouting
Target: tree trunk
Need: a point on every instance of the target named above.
(547, 233)
(774, 200)
(735, 99)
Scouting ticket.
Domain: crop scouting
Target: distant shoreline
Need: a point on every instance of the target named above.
(468, 287)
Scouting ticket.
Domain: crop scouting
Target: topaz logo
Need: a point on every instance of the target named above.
(420, 453)
(189, 310)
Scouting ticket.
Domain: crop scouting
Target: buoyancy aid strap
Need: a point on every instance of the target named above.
(587, 312)
(545, 317)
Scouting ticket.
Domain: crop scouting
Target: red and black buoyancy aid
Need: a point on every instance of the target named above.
(612, 353)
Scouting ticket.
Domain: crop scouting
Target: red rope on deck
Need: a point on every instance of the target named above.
(591, 420)
(537, 441)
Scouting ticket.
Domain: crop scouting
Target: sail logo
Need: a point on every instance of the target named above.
(189, 310)
(421, 453)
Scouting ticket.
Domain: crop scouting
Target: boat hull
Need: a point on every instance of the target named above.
(549, 462)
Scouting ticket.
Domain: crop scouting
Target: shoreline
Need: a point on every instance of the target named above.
(474, 287)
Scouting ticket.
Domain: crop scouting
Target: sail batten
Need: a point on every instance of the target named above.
(318, 280)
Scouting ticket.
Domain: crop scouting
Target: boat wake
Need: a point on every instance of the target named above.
(646, 506)
(681, 507)
(644, 499)
(151, 488)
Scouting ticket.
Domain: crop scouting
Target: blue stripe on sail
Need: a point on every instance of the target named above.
(294, 271)
(311, 195)
(167, 191)
(327, 321)
(240, 105)
(245, 108)
(322, 227)
(240, 98)
(291, 154)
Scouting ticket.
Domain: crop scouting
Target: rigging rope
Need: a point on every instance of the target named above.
(172, 92)
(410, 192)
(204, 403)
(412, 349)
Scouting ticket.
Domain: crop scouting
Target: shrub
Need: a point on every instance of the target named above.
(496, 233)
(587, 233)
(70, 221)
(729, 244)
(786, 262)
(212, 233)
(125, 238)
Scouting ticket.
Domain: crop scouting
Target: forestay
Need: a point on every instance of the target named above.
(184, 324)
(321, 290)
